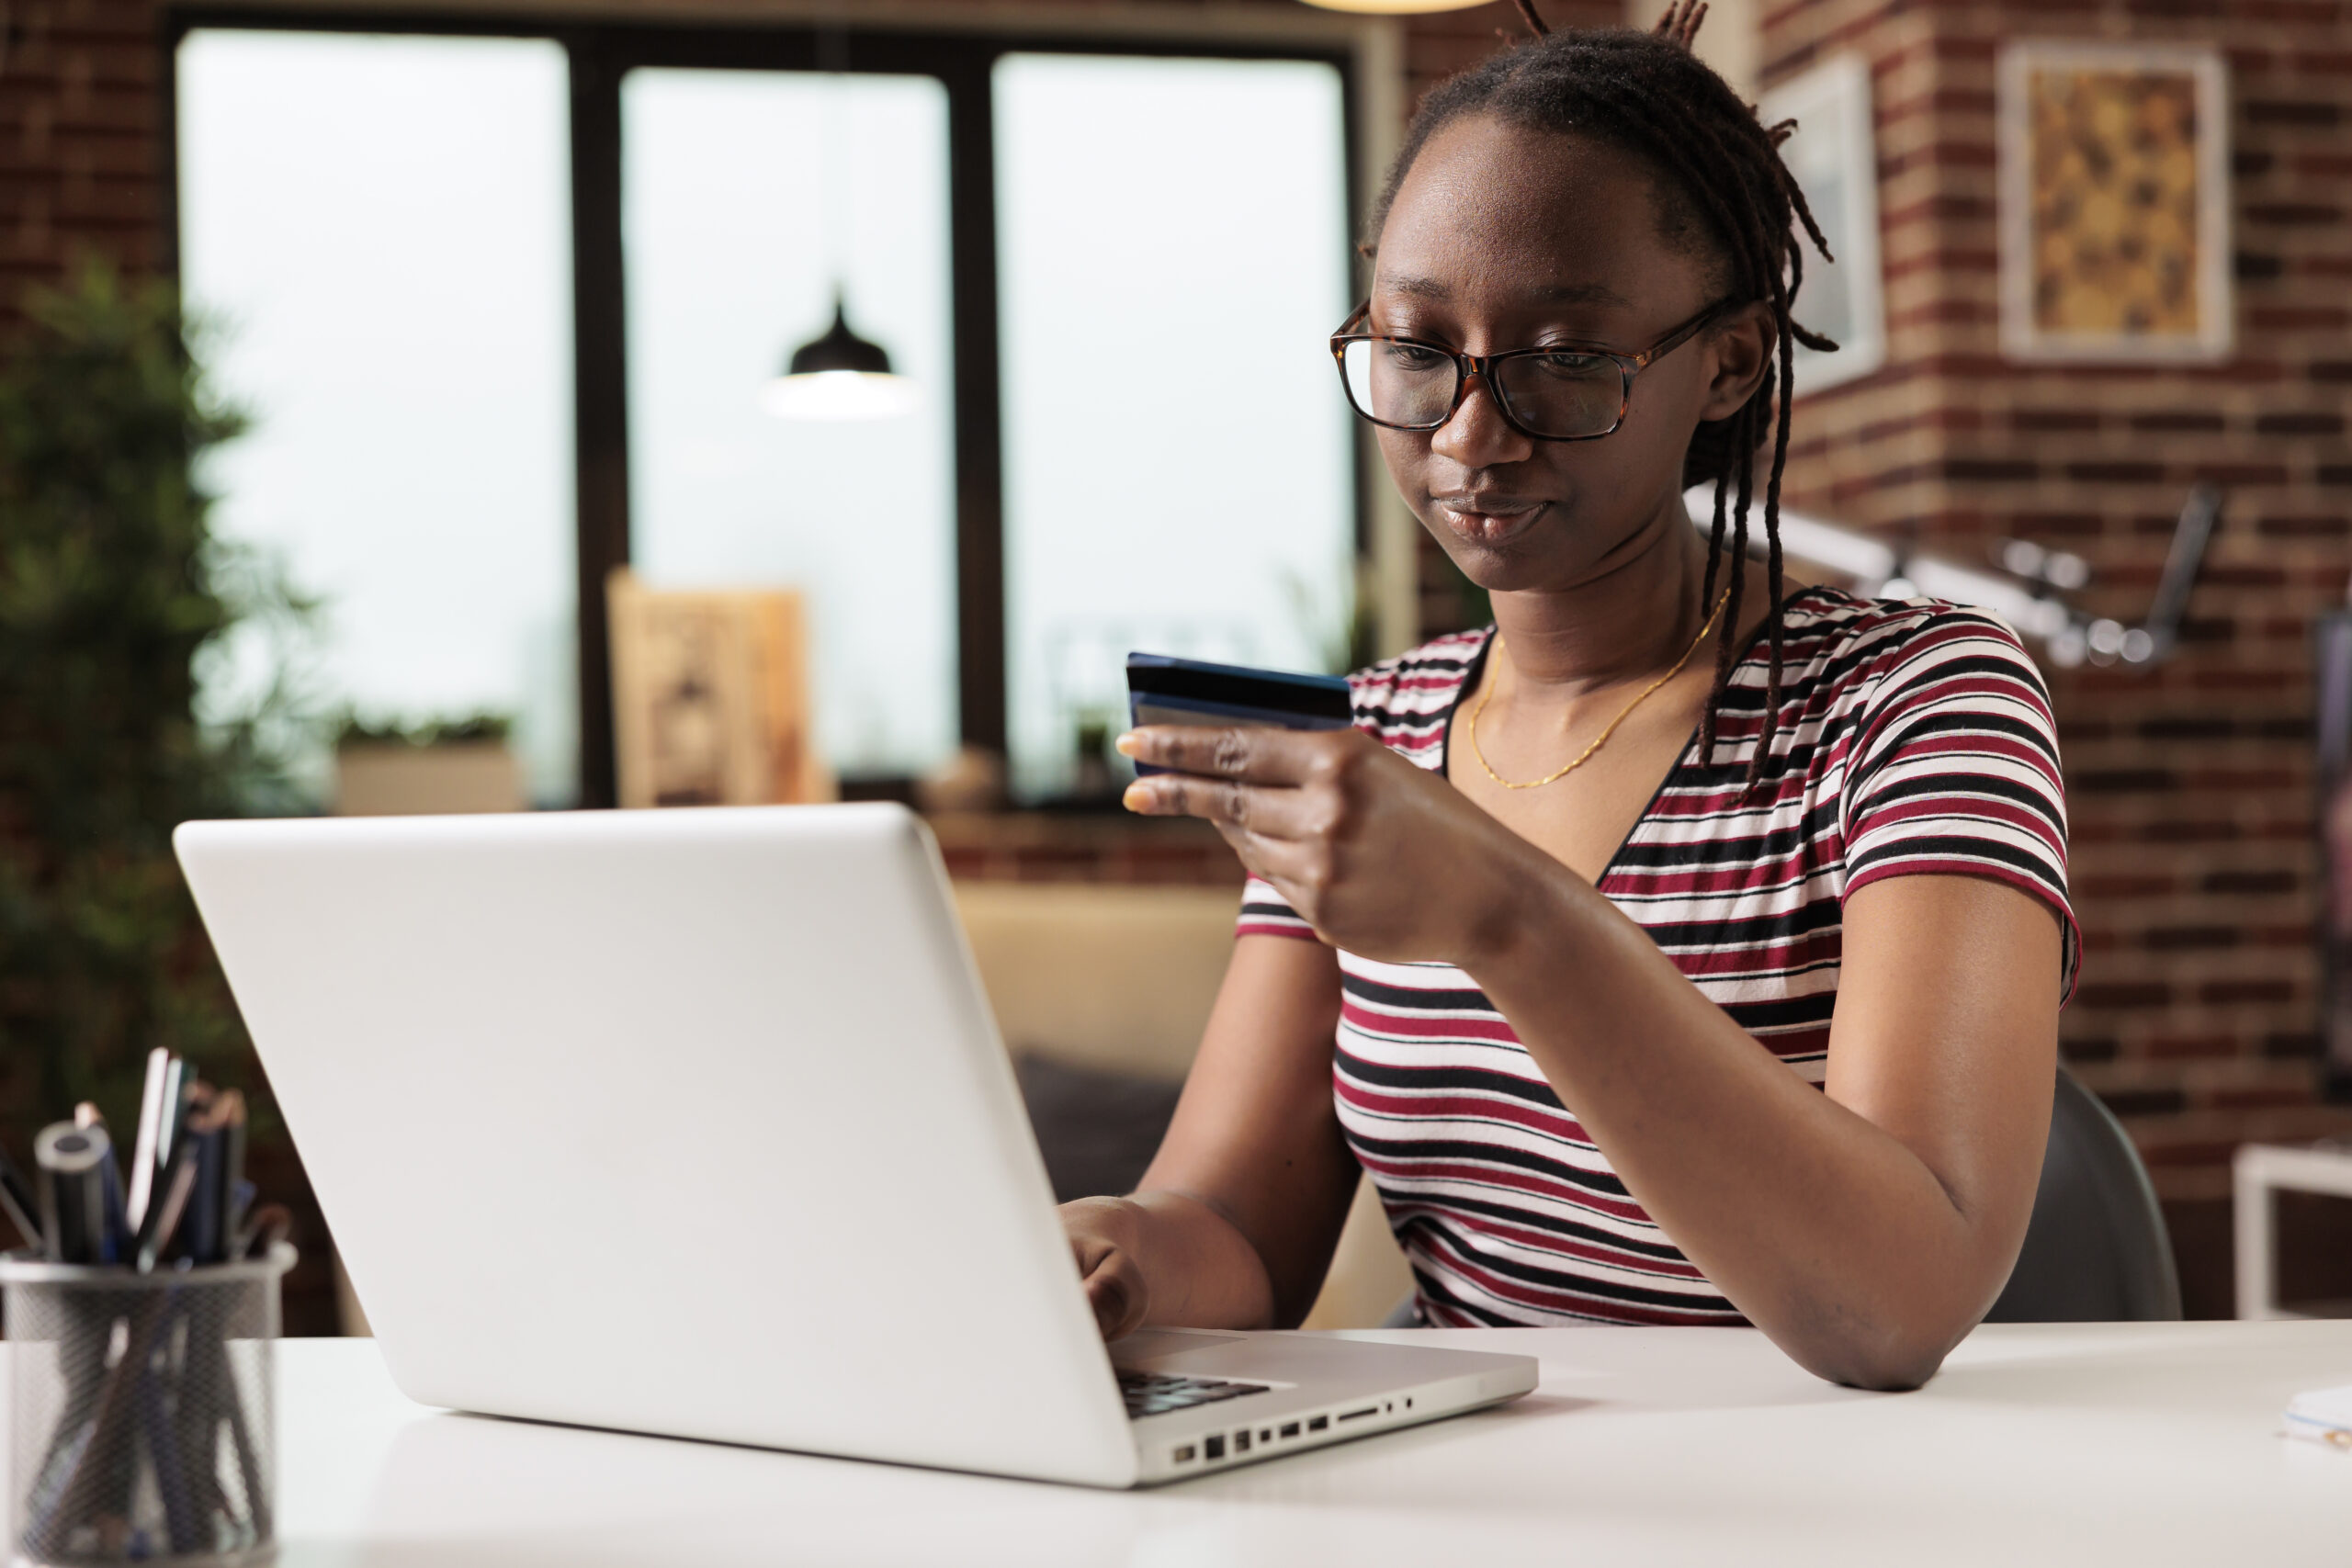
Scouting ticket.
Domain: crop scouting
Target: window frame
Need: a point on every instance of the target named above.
(961, 55)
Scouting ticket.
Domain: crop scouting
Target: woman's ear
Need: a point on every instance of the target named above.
(1739, 350)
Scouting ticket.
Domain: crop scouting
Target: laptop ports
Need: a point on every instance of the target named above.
(1241, 1442)
(1184, 1453)
(1213, 1448)
(1320, 1424)
(1290, 1429)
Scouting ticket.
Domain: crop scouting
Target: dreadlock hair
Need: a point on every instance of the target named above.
(1721, 183)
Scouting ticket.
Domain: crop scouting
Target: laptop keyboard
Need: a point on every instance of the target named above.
(1155, 1393)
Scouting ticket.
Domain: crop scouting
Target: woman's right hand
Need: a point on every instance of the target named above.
(1107, 1237)
(1253, 1164)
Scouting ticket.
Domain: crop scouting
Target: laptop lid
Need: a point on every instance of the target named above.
(686, 1122)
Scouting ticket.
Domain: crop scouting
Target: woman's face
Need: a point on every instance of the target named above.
(1502, 238)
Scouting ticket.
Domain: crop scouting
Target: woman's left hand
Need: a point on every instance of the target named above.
(1382, 858)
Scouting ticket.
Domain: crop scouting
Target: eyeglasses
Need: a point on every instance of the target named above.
(1557, 392)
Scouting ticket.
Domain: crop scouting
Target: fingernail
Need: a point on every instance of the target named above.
(1126, 745)
(1135, 797)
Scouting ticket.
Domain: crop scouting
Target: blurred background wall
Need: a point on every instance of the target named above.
(2191, 787)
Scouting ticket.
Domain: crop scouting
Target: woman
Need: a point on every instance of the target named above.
(1693, 953)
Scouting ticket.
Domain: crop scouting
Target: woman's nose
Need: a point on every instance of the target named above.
(1477, 436)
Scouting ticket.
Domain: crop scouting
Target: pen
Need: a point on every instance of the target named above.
(72, 1191)
(144, 1150)
(114, 1233)
(172, 1108)
(211, 1221)
(164, 1213)
(175, 1177)
(202, 1224)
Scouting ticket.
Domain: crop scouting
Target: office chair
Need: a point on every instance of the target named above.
(2095, 1250)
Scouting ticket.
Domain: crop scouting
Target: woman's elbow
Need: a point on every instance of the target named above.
(1893, 1356)
(1896, 1370)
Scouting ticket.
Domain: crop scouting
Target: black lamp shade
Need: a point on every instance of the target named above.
(839, 349)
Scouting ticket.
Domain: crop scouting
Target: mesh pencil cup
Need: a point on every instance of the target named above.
(143, 1420)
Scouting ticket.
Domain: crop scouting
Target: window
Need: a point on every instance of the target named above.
(1172, 255)
(379, 228)
(731, 254)
(505, 306)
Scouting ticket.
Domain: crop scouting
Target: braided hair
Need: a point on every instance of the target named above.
(1721, 181)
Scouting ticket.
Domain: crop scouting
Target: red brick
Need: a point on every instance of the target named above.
(2246, 991)
(2119, 887)
(2175, 1048)
(2205, 1152)
(2115, 994)
(2285, 318)
(2304, 422)
(2178, 420)
(2312, 113)
(2173, 939)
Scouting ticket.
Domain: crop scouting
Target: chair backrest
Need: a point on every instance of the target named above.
(2095, 1250)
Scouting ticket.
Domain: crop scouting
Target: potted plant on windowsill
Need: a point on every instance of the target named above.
(385, 768)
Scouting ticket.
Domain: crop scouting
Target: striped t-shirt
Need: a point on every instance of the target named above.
(1914, 737)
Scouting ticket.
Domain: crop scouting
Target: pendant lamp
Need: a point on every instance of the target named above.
(838, 376)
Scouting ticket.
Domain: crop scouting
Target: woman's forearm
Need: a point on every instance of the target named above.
(1832, 1235)
(1199, 1270)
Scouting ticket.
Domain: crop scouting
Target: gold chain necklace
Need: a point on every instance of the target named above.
(1603, 739)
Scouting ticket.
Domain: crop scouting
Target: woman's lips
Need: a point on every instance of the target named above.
(1490, 520)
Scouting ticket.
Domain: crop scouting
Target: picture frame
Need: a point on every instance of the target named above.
(1833, 154)
(710, 697)
(2114, 203)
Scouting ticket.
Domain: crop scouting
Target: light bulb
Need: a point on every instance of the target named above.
(839, 395)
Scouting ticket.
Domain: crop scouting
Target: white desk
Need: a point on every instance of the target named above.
(2088, 1444)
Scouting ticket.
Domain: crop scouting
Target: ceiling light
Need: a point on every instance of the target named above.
(838, 376)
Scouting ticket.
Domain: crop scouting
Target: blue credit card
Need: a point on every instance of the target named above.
(1166, 689)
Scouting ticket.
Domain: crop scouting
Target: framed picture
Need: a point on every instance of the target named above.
(2114, 202)
(710, 697)
(1834, 155)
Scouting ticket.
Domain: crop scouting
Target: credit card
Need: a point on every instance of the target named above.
(1162, 688)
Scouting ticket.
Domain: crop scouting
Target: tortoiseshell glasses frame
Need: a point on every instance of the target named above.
(1578, 380)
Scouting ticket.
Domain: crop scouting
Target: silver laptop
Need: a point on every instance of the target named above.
(696, 1123)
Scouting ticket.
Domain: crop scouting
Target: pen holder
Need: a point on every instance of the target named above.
(143, 1426)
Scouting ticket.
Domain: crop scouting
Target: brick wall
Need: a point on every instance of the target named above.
(81, 145)
(2191, 788)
